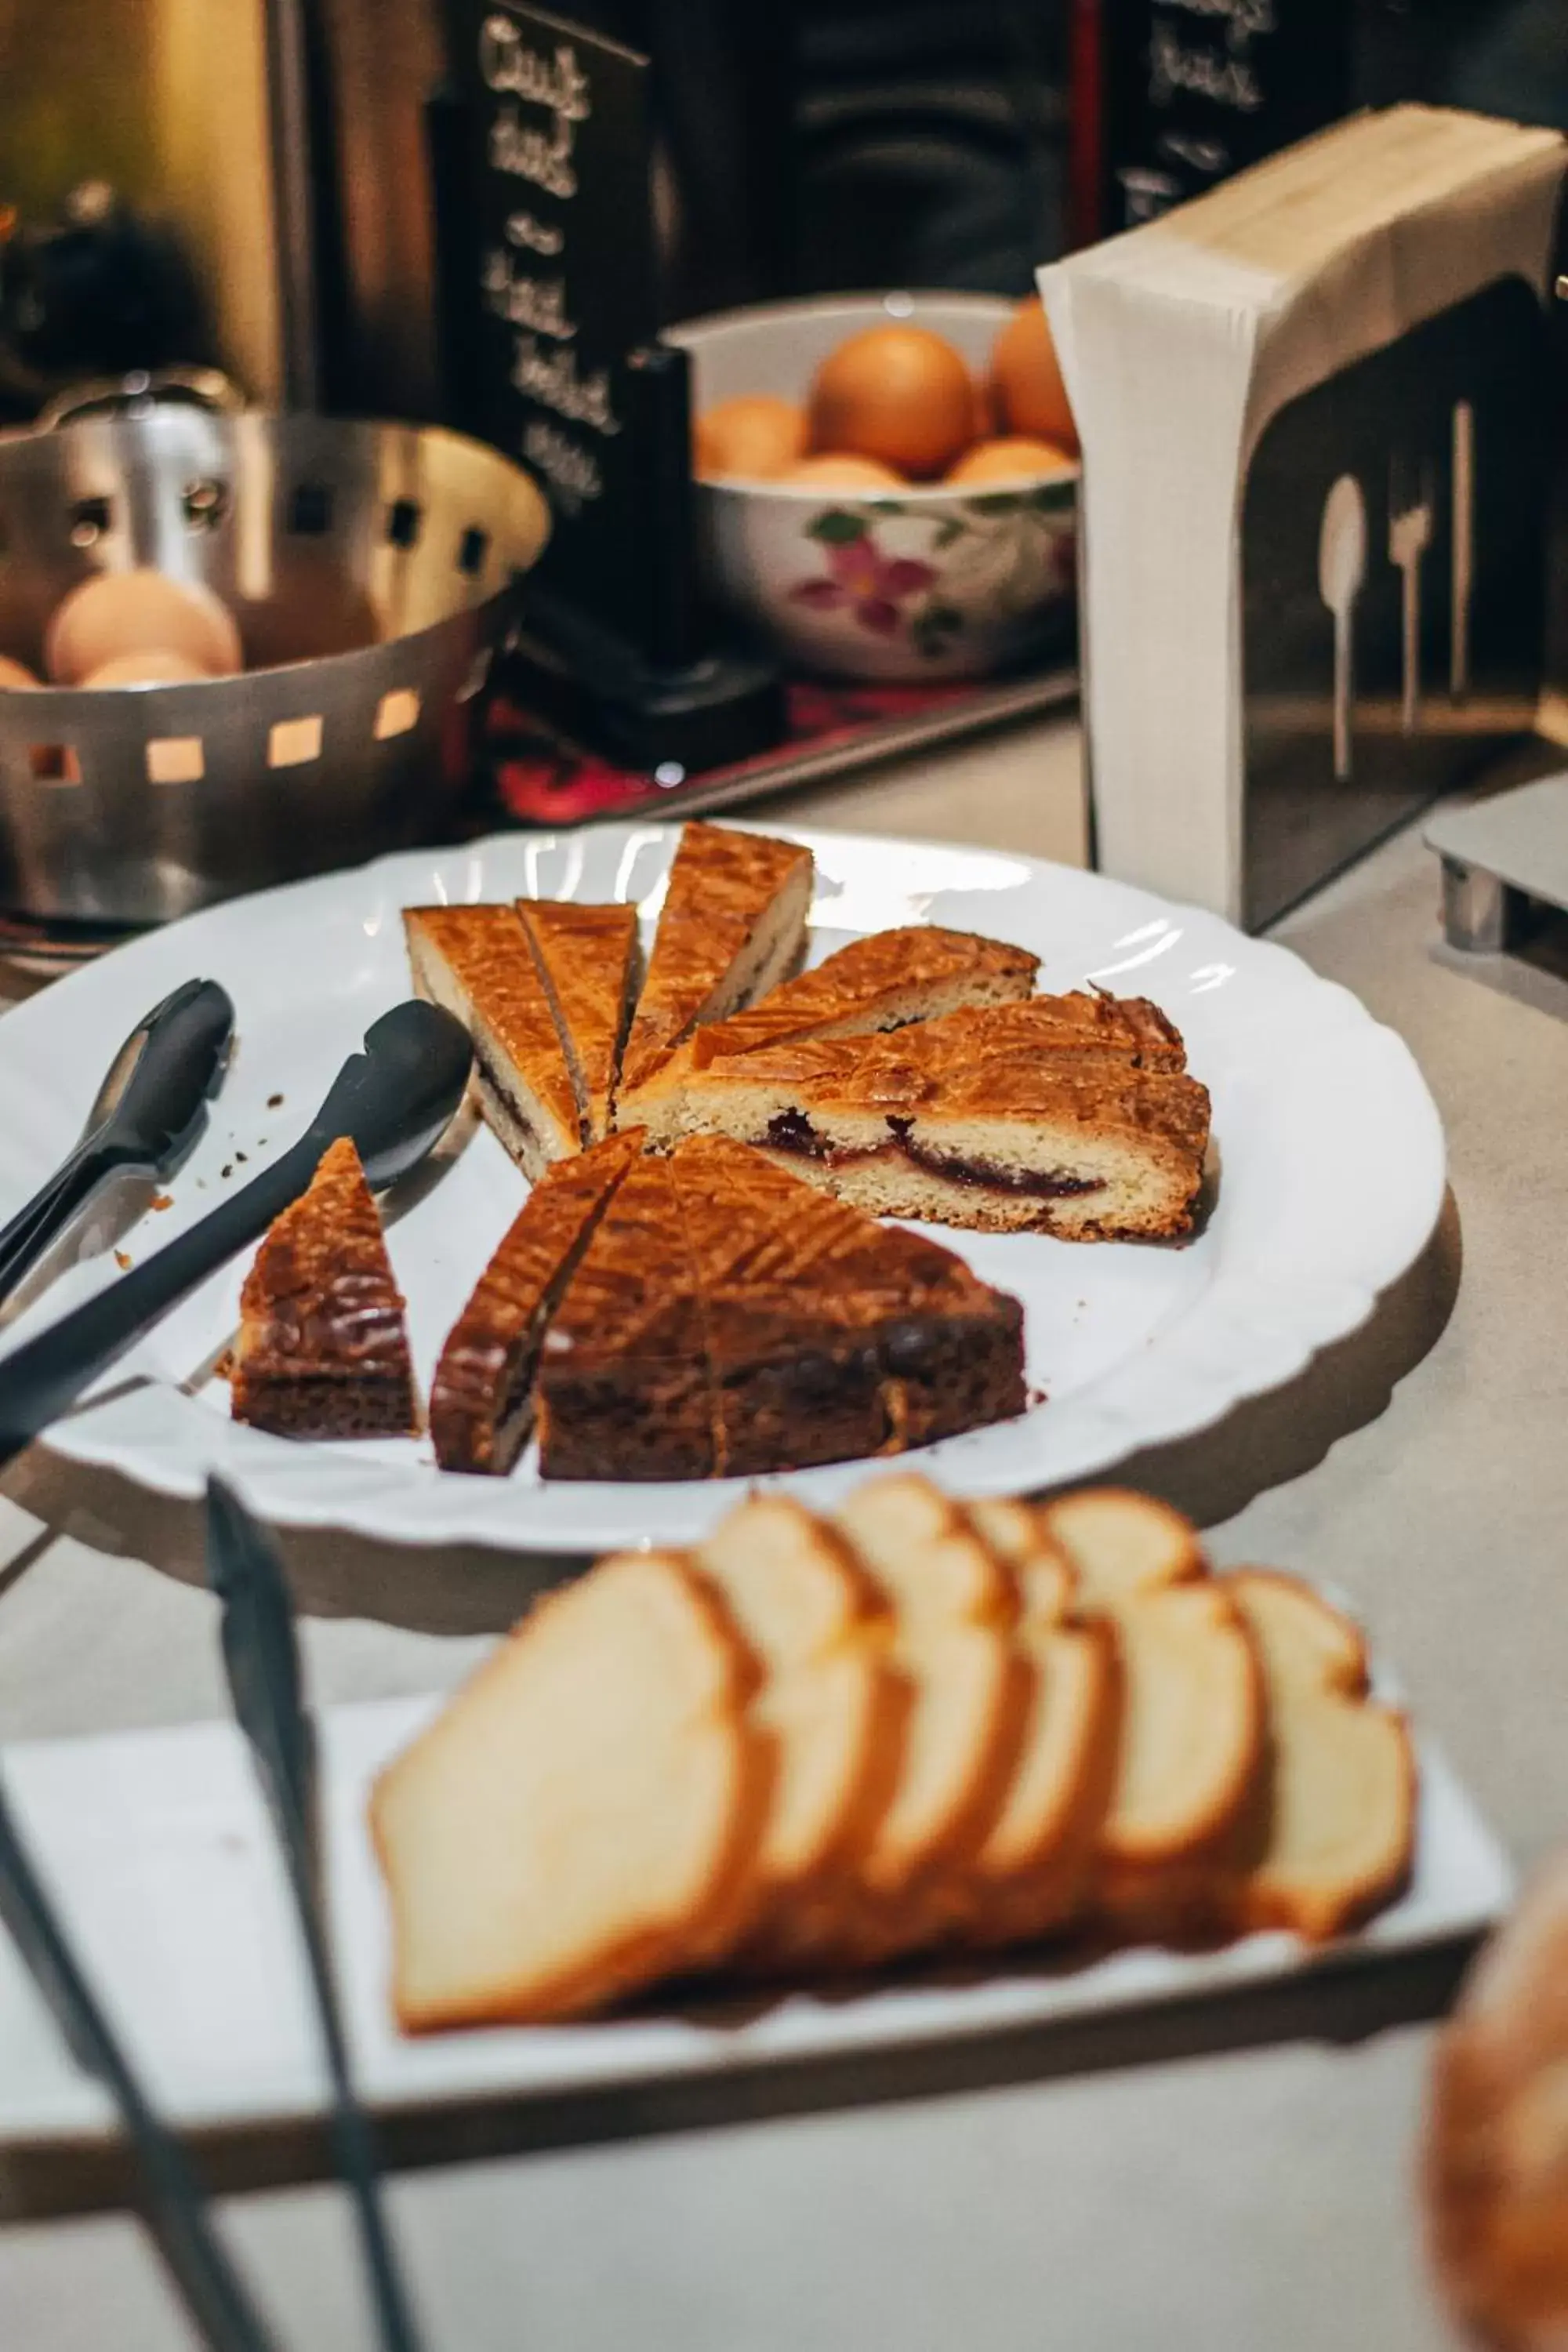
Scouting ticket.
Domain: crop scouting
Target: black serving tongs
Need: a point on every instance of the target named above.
(263, 1661)
(262, 1658)
(172, 2201)
(394, 1100)
(148, 1112)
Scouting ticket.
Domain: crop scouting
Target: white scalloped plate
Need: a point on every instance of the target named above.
(1332, 1173)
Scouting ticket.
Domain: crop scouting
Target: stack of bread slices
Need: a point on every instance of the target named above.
(819, 1744)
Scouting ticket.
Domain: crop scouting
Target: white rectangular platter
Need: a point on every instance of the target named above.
(156, 1847)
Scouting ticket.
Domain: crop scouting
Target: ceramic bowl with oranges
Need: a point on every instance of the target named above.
(886, 483)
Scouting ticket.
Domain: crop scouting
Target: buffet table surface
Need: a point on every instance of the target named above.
(1243, 2183)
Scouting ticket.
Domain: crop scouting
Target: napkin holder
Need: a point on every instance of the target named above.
(1316, 414)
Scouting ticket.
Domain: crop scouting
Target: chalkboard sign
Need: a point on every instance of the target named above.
(1196, 89)
(557, 126)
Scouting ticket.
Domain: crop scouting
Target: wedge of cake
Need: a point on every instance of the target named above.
(881, 982)
(1069, 1115)
(323, 1349)
(590, 959)
(478, 963)
(584, 1811)
(481, 1401)
(726, 1319)
(732, 924)
(622, 1388)
(827, 1335)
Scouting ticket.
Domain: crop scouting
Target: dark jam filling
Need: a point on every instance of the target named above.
(497, 1086)
(791, 1130)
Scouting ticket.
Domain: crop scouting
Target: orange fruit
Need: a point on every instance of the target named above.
(1013, 458)
(1027, 380)
(837, 471)
(755, 436)
(15, 674)
(897, 393)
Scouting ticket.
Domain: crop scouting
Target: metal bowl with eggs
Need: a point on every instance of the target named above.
(825, 529)
(265, 638)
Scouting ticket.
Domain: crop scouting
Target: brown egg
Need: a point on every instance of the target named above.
(755, 436)
(139, 612)
(897, 393)
(1014, 458)
(834, 472)
(14, 675)
(1027, 381)
(159, 665)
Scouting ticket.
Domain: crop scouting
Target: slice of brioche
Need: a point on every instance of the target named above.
(831, 1701)
(884, 980)
(583, 1813)
(1328, 1828)
(1193, 1706)
(733, 924)
(1033, 1872)
(1496, 2165)
(475, 963)
(590, 959)
(955, 1606)
(1120, 1544)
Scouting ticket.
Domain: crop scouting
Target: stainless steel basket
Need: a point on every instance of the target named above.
(370, 570)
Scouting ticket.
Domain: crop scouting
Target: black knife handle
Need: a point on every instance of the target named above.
(42, 1377)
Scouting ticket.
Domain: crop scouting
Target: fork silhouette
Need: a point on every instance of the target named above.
(1409, 537)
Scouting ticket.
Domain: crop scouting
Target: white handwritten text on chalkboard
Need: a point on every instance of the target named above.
(523, 77)
(1226, 81)
(539, 303)
(571, 471)
(567, 278)
(533, 236)
(551, 377)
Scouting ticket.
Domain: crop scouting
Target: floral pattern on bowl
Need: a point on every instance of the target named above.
(1004, 555)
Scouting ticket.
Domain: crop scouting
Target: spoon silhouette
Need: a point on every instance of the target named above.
(149, 1110)
(1341, 568)
(394, 1100)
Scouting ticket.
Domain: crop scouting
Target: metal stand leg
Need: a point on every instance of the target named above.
(1478, 909)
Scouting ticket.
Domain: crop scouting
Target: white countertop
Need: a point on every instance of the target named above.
(1258, 2199)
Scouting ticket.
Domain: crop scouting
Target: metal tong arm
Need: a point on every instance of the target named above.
(177, 2213)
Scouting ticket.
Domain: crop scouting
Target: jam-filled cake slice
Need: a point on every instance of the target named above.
(589, 959)
(477, 962)
(881, 982)
(481, 1402)
(323, 1349)
(1069, 1115)
(828, 1336)
(733, 924)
